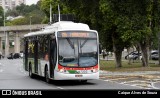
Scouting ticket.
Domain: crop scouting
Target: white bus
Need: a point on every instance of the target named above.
(62, 51)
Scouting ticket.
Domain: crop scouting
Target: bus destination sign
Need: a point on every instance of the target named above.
(77, 34)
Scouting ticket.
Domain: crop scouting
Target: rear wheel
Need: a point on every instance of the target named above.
(30, 72)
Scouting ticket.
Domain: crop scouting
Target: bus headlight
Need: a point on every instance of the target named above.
(94, 70)
(63, 71)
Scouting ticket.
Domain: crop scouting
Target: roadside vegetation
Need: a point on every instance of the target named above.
(23, 14)
(120, 23)
(134, 66)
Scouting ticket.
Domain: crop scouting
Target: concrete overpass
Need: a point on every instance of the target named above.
(14, 35)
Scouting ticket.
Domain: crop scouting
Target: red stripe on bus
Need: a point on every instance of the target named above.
(69, 68)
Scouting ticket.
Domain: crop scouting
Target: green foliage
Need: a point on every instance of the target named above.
(45, 7)
(1, 16)
(133, 21)
(110, 66)
(120, 23)
(20, 21)
(25, 9)
(45, 20)
(32, 12)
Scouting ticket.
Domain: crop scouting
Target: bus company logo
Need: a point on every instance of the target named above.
(18, 92)
(6, 92)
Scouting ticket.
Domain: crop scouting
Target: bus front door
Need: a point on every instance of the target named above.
(53, 56)
(36, 57)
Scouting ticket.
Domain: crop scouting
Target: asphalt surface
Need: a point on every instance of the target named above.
(13, 76)
(142, 79)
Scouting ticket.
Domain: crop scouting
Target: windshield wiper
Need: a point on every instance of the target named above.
(84, 43)
(70, 43)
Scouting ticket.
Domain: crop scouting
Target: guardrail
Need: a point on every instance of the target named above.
(23, 27)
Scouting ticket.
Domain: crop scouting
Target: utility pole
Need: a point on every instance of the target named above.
(30, 22)
(159, 47)
(6, 36)
(50, 14)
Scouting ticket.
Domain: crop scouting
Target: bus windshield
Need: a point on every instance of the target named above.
(78, 52)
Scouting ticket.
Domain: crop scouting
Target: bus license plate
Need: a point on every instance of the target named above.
(82, 71)
(78, 75)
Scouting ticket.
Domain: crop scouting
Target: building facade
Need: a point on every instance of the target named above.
(10, 4)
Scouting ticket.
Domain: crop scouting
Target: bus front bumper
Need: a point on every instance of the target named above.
(64, 76)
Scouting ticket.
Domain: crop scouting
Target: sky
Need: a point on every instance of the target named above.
(30, 2)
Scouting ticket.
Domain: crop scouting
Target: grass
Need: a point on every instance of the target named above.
(137, 66)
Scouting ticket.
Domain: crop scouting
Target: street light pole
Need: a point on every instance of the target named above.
(5, 35)
(30, 23)
(1, 45)
(159, 47)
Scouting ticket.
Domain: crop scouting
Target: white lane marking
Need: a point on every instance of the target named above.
(106, 80)
(60, 88)
(153, 85)
(121, 83)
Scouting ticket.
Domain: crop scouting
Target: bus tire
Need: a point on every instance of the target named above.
(47, 79)
(83, 81)
(30, 72)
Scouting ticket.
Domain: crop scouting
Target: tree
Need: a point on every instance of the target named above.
(20, 21)
(115, 23)
(134, 21)
(12, 12)
(120, 23)
(1, 16)
(45, 7)
(87, 11)
(26, 11)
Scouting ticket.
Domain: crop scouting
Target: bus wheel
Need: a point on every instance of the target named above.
(47, 76)
(83, 81)
(30, 73)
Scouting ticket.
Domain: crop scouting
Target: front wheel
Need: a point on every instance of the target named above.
(47, 79)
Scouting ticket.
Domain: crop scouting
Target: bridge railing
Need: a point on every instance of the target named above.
(22, 27)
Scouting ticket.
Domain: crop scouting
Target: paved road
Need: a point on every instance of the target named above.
(157, 85)
(12, 76)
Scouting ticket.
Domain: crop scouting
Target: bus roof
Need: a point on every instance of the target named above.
(60, 26)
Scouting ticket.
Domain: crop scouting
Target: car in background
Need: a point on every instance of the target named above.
(16, 55)
(154, 55)
(21, 54)
(133, 55)
(10, 56)
(13, 56)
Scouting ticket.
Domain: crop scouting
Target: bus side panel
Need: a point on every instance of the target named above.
(30, 60)
(43, 63)
(43, 48)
